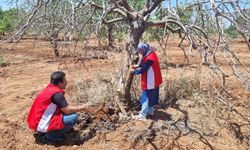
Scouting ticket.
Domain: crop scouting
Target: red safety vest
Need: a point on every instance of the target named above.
(151, 78)
(44, 115)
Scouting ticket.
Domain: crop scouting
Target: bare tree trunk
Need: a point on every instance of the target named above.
(136, 30)
(71, 34)
(56, 52)
(203, 55)
(54, 40)
(110, 35)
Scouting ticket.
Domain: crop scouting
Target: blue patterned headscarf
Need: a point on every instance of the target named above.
(144, 48)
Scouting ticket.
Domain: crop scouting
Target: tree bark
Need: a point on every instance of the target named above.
(56, 52)
(110, 35)
(136, 29)
(54, 40)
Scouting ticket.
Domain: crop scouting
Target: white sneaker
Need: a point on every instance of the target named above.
(151, 113)
(138, 117)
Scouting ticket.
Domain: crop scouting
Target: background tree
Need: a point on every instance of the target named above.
(196, 23)
(7, 20)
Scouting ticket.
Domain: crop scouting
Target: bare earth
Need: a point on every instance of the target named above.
(28, 70)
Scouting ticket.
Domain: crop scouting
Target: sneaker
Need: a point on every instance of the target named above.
(151, 113)
(138, 117)
(39, 137)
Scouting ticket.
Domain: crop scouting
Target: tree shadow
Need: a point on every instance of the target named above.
(160, 115)
(183, 126)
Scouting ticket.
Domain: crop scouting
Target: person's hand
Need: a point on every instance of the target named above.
(84, 107)
(132, 70)
(88, 105)
(135, 66)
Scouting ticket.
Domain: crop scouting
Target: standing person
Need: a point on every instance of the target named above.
(151, 78)
(50, 115)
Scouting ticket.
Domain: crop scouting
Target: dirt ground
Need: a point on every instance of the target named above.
(28, 69)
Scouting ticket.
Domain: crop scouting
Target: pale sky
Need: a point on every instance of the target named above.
(5, 3)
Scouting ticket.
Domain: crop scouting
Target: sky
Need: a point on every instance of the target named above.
(5, 5)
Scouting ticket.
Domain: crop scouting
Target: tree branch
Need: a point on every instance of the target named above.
(112, 21)
(147, 11)
(19, 34)
(120, 10)
(179, 24)
(146, 6)
(127, 6)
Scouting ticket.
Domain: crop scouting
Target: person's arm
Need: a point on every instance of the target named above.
(62, 103)
(138, 65)
(135, 66)
(144, 68)
(73, 109)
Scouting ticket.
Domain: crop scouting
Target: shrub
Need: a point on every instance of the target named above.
(232, 32)
(184, 87)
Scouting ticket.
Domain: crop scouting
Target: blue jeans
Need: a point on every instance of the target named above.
(146, 109)
(69, 121)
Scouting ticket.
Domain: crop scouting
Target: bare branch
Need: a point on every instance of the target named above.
(19, 34)
(147, 4)
(179, 24)
(126, 5)
(112, 21)
(147, 11)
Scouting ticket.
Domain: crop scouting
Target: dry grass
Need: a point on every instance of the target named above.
(181, 88)
(208, 111)
(201, 112)
(93, 92)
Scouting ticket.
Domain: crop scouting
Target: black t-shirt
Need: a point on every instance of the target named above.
(59, 100)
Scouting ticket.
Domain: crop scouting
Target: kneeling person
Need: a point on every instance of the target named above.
(50, 113)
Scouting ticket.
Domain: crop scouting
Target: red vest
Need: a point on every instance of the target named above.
(151, 78)
(44, 115)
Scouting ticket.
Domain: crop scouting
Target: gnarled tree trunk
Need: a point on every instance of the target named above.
(136, 29)
(110, 35)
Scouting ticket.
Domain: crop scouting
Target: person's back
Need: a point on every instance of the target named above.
(44, 115)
